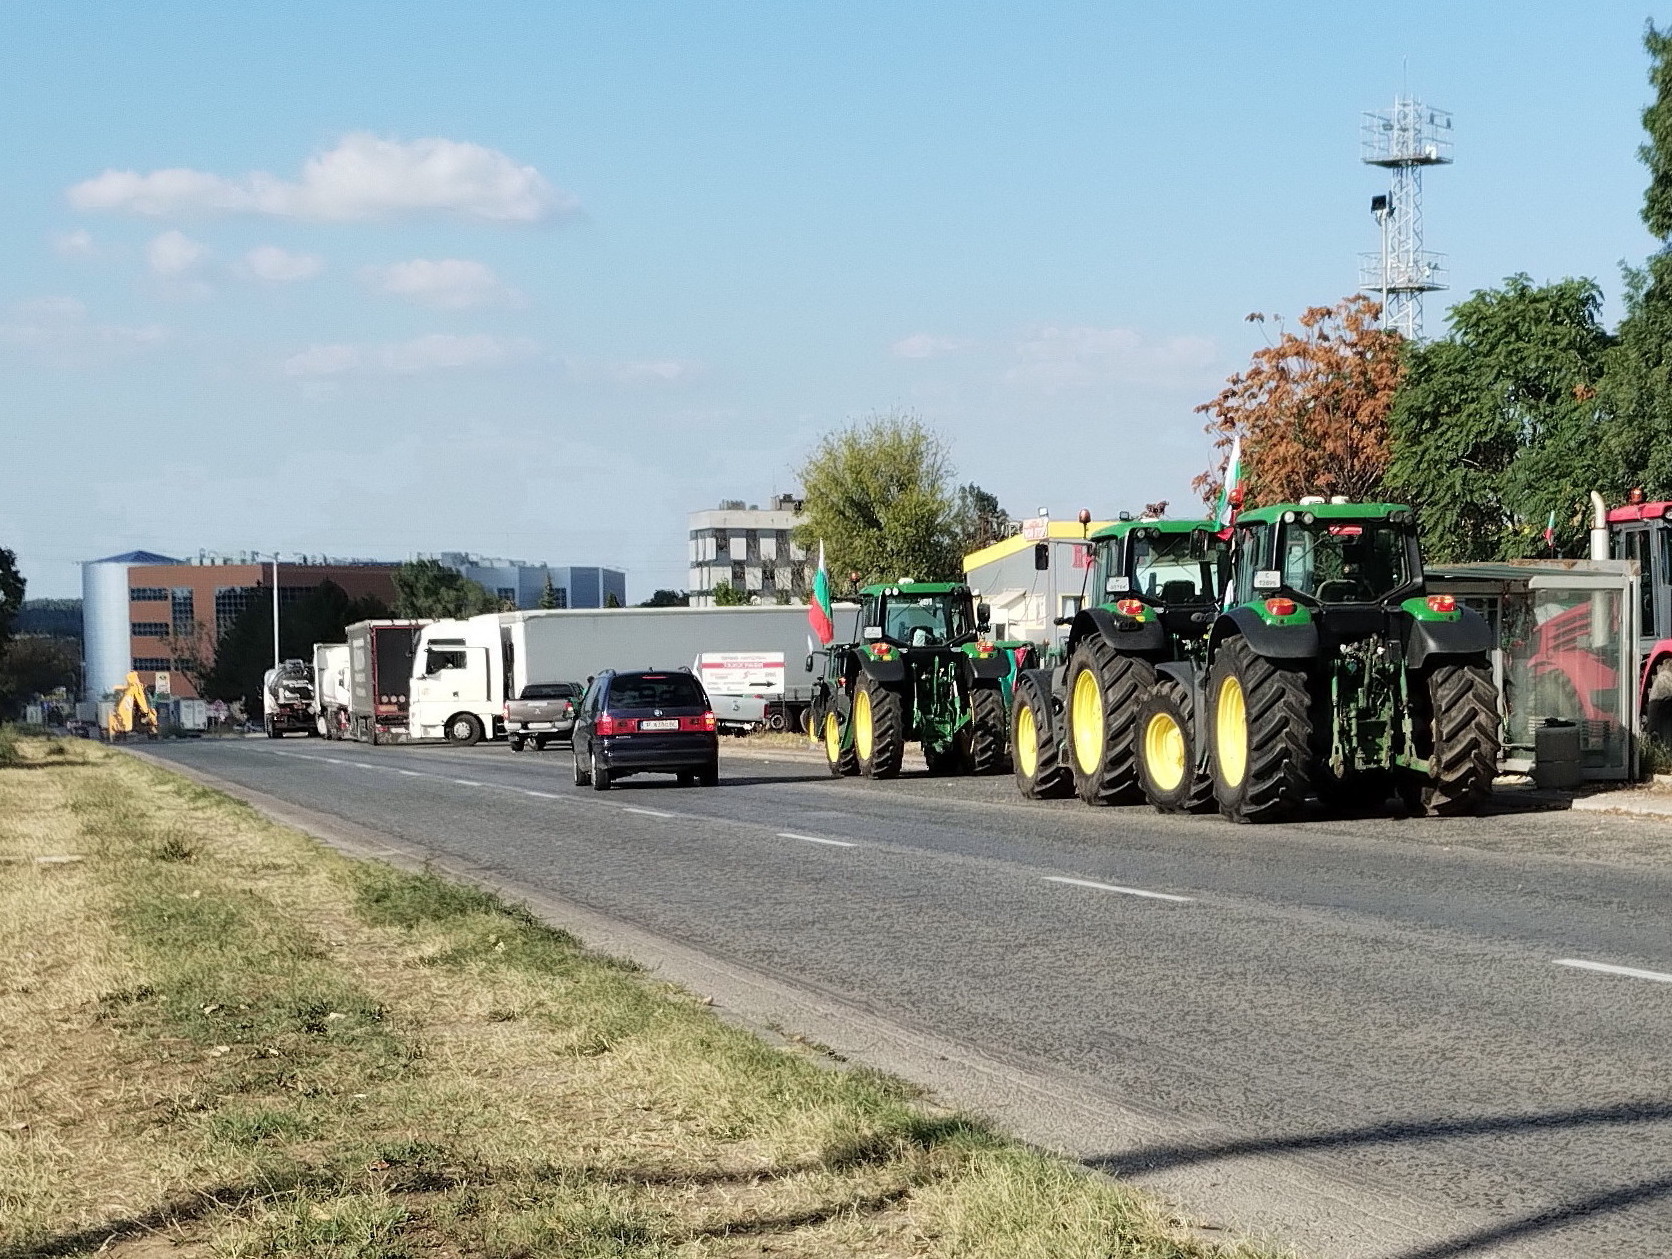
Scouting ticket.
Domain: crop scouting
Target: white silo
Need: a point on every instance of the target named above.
(105, 633)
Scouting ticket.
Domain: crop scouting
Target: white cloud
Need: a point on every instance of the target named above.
(1063, 358)
(58, 328)
(438, 351)
(174, 254)
(443, 284)
(364, 177)
(280, 266)
(925, 345)
(662, 370)
(77, 244)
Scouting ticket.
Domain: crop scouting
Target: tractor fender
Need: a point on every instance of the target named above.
(994, 668)
(1275, 642)
(885, 671)
(1468, 635)
(1127, 636)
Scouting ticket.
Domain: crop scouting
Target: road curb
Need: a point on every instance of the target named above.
(1634, 803)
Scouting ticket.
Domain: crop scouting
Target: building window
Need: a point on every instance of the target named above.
(230, 602)
(740, 575)
(147, 594)
(292, 594)
(150, 629)
(560, 597)
(153, 664)
(507, 594)
(182, 614)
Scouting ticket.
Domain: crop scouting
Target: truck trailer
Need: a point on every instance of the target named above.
(380, 665)
(465, 670)
(331, 689)
(287, 698)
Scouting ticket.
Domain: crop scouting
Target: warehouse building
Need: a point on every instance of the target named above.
(1033, 577)
(522, 584)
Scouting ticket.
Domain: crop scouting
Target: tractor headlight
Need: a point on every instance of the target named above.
(1288, 517)
(1307, 518)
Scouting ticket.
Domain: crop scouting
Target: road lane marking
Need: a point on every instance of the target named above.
(467, 782)
(543, 795)
(1631, 972)
(365, 765)
(627, 808)
(1124, 891)
(410, 773)
(814, 839)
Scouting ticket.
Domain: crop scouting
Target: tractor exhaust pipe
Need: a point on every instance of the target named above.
(1599, 527)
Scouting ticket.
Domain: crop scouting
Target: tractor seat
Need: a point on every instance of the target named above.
(1179, 591)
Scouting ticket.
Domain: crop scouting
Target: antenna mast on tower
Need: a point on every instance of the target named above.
(1404, 140)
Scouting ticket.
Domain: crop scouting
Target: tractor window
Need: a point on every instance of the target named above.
(925, 621)
(1251, 556)
(1164, 568)
(1343, 561)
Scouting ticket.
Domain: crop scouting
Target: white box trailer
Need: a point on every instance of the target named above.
(333, 689)
(464, 670)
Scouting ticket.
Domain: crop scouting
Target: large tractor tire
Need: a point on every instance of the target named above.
(1104, 691)
(879, 729)
(1169, 752)
(838, 752)
(1463, 742)
(1040, 773)
(981, 742)
(1260, 735)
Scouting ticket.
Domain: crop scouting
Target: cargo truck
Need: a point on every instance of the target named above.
(287, 699)
(331, 689)
(380, 656)
(464, 670)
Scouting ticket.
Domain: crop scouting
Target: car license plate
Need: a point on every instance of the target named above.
(671, 723)
(538, 725)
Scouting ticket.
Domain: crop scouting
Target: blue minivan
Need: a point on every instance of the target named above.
(652, 721)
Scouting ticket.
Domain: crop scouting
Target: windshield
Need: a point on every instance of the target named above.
(926, 620)
(1344, 561)
(551, 690)
(655, 690)
(1164, 569)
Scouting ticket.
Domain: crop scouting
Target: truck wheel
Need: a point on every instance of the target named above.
(516, 743)
(464, 731)
(273, 732)
(1463, 737)
(1040, 773)
(843, 762)
(1260, 725)
(1104, 691)
(1169, 752)
(983, 739)
(879, 735)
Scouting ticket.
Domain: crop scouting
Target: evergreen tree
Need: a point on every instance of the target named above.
(428, 589)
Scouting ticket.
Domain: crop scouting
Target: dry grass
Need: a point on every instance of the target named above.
(221, 1039)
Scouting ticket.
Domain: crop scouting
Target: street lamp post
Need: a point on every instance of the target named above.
(275, 609)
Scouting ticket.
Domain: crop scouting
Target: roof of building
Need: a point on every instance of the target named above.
(135, 557)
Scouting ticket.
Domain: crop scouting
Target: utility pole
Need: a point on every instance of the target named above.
(1403, 141)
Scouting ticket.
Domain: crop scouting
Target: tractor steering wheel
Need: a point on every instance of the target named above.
(1340, 590)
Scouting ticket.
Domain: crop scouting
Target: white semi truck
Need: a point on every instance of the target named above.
(287, 698)
(464, 671)
(332, 689)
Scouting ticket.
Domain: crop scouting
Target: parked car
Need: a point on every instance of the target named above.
(645, 722)
(541, 712)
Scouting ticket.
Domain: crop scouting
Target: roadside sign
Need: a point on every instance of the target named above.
(161, 685)
(741, 672)
(1036, 528)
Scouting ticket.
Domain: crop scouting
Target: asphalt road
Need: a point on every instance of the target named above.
(1367, 1037)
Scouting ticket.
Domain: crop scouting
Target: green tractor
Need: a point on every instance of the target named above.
(1332, 672)
(921, 671)
(1125, 672)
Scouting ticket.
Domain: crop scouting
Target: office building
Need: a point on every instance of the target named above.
(749, 549)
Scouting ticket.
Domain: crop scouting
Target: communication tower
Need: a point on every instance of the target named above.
(1403, 140)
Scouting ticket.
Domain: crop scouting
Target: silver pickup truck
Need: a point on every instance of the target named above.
(543, 712)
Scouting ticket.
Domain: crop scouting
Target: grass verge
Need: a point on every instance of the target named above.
(219, 1038)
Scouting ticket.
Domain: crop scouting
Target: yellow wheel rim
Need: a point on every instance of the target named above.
(1027, 741)
(1087, 703)
(832, 738)
(863, 735)
(1230, 732)
(1164, 751)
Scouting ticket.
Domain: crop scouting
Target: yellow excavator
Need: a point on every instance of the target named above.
(131, 703)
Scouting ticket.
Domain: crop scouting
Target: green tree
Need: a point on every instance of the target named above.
(611, 600)
(12, 586)
(978, 518)
(877, 495)
(245, 651)
(1498, 423)
(37, 664)
(667, 599)
(727, 595)
(429, 589)
(548, 596)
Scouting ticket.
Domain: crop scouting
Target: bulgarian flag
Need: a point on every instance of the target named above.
(818, 607)
(1230, 492)
(1550, 533)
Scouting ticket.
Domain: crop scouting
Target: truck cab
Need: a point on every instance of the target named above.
(1642, 531)
(458, 681)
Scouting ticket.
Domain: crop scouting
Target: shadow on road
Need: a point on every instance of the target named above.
(1153, 1158)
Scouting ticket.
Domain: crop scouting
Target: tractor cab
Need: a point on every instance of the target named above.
(1180, 568)
(921, 614)
(1642, 531)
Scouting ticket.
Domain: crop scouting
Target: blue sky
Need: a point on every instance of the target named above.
(538, 279)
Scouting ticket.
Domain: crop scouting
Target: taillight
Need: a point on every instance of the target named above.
(882, 651)
(1129, 607)
(698, 724)
(1442, 603)
(984, 650)
(1280, 607)
(608, 725)
(505, 709)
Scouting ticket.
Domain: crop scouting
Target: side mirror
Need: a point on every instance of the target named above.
(808, 666)
(1041, 556)
(984, 614)
(1268, 579)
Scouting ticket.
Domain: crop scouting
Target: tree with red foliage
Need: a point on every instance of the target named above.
(1312, 408)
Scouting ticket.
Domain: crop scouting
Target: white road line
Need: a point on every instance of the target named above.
(542, 795)
(467, 782)
(410, 773)
(1631, 972)
(1124, 891)
(627, 808)
(365, 765)
(814, 839)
